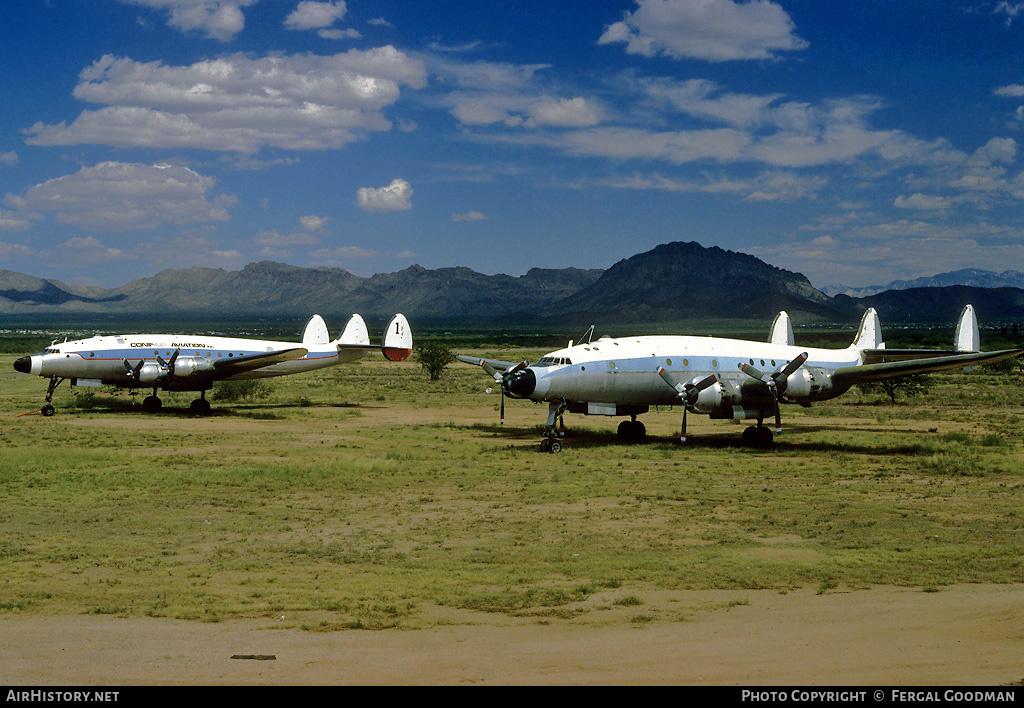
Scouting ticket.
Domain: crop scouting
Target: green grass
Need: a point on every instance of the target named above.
(368, 497)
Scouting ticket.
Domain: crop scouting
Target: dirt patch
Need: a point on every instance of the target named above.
(967, 635)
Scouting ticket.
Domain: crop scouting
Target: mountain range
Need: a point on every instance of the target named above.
(674, 281)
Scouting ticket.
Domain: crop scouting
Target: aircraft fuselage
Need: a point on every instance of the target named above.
(624, 372)
(103, 359)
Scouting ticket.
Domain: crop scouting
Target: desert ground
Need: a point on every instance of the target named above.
(809, 591)
(963, 636)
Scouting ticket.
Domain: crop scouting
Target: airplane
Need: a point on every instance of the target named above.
(722, 378)
(178, 362)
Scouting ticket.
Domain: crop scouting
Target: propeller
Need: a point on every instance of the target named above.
(169, 365)
(776, 382)
(687, 392)
(499, 378)
(134, 372)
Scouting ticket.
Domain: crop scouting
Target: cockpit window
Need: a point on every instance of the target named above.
(553, 361)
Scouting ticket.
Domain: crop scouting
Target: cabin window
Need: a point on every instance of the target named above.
(762, 362)
(714, 363)
(611, 364)
(668, 362)
(686, 362)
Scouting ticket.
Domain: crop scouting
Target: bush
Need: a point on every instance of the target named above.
(435, 358)
(240, 390)
(908, 386)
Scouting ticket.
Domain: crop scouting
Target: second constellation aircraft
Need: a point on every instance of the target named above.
(176, 362)
(722, 378)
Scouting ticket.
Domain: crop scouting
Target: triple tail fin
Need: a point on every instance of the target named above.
(782, 330)
(967, 338)
(869, 336)
(315, 332)
(354, 333)
(398, 339)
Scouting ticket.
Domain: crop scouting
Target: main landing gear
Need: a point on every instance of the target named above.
(757, 436)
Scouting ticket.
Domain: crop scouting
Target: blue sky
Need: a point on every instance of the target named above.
(855, 142)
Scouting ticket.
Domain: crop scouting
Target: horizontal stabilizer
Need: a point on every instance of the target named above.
(241, 364)
(850, 375)
(397, 344)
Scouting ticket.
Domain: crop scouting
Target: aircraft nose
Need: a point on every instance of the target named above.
(520, 384)
(23, 364)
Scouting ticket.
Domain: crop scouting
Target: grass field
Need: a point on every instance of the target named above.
(366, 496)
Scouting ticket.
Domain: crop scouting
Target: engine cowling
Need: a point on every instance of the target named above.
(185, 366)
(807, 384)
(710, 398)
(151, 373)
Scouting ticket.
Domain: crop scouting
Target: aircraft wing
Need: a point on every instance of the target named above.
(880, 356)
(239, 365)
(492, 363)
(850, 375)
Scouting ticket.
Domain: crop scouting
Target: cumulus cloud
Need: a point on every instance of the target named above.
(313, 223)
(711, 30)
(217, 19)
(319, 16)
(397, 196)
(8, 158)
(122, 196)
(237, 103)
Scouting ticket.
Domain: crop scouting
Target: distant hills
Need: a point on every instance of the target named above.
(967, 276)
(674, 281)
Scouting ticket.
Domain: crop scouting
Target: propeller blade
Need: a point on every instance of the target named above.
(792, 366)
(502, 422)
(671, 380)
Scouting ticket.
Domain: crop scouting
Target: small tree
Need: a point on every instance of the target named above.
(909, 386)
(435, 358)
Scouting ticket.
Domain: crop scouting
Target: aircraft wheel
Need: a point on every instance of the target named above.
(554, 447)
(545, 444)
(632, 430)
(200, 406)
(765, 438)
(750, 436)
(151, 404)
(47, 410)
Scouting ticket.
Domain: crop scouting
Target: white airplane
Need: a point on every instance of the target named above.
(722, 378)
(177, 362)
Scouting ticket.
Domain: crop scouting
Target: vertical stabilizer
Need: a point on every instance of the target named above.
(355, 332)
(869, 336)
(967, 338)
(782, 330)
(315, 332)
(398, 339)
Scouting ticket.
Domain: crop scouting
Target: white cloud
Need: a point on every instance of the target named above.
(315, 15)
(922, 202)
(712, 30)
(469, 216)
(237, 103)
(122, 196)
(217, 19)
(397, 196)
(1011, 91)
(313, 223)
(8, 158)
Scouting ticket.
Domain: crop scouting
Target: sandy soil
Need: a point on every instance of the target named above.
(967, 635)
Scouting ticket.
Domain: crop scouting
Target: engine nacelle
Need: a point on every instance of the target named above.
(191, 365)
(710, 398)
(151, 373)
(808, 384)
